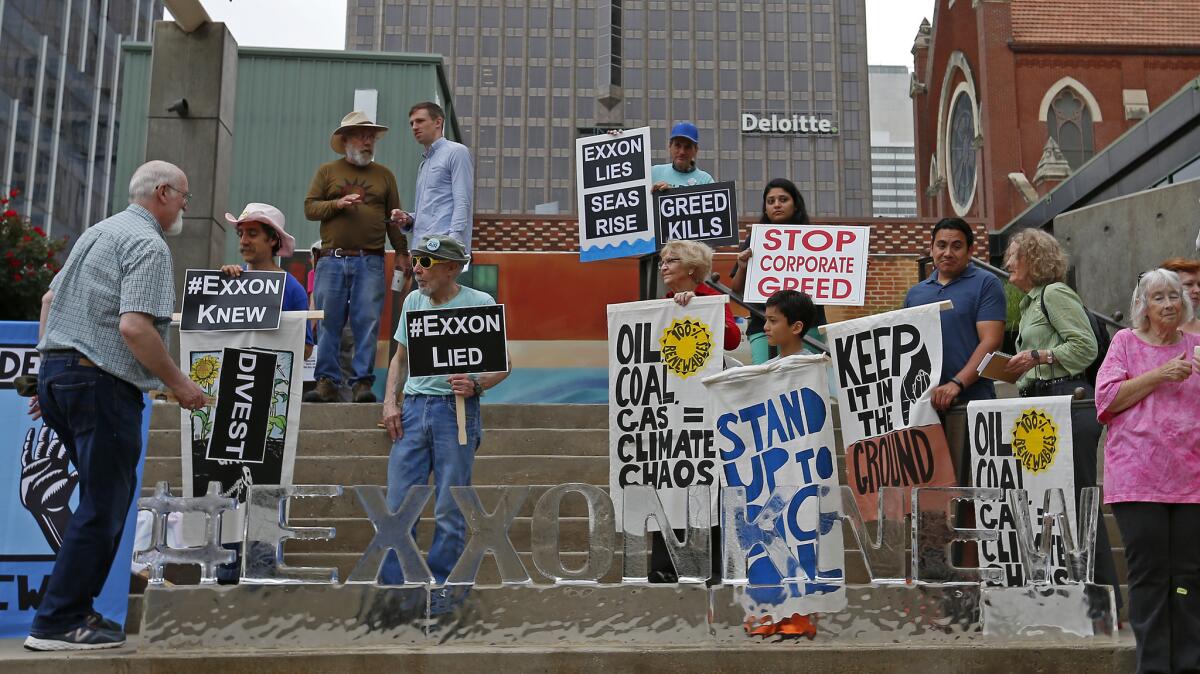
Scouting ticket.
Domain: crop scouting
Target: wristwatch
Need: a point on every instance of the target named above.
(478, 388)
(1035, 355)
(961, 386)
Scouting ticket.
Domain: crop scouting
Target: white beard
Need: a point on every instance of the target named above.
(176, 227)
(358, 157)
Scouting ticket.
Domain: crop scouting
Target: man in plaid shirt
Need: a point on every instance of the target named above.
(104, 341)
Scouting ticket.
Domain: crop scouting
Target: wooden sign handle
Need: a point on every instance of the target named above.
(460, 411)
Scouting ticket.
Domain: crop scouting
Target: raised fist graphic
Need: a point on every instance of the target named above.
(47, 482)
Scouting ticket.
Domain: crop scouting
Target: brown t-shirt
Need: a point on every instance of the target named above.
(364, 224)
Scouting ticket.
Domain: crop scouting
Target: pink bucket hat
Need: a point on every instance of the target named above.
(271, 217)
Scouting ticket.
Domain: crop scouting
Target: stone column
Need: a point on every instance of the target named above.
(201, 68)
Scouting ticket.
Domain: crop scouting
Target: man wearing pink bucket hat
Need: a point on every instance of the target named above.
(261, 236)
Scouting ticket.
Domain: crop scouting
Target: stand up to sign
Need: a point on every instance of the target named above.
(462, 340)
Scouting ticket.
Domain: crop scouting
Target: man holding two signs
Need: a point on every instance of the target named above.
(422, 420)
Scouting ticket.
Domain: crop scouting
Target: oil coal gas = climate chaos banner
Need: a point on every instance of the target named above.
(660, 433)
(886, 366)
(1022, 443)
(38, 495)
(615, 216)
(775, 428)
(249, 435)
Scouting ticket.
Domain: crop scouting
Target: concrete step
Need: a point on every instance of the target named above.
(377, 442)
(367, 415)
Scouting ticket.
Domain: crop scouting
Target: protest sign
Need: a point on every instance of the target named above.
(775, 428)
(1021, 443)
(706, 213)
(885, 367)
(460, 340)
(613, 173)
(268, 405)
(660, 433)
(216, 301)
(827, 262)
(38, 494)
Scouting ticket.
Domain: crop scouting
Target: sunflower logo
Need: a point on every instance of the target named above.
(205, 370)
(1035, 440)
(685, 346)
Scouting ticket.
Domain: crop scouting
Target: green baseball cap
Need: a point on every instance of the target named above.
(442, 247)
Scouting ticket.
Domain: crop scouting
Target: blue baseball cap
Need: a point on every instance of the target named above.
(685, 130)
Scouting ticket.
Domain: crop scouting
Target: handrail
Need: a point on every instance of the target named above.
(1109, 321)
(757, 313)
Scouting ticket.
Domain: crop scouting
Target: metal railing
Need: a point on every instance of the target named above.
(713, 281)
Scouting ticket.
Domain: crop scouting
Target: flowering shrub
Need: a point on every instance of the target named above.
(27, 264)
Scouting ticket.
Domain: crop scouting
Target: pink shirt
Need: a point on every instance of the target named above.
(1153, 447)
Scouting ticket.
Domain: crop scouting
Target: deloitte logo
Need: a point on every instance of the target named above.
(789, 124)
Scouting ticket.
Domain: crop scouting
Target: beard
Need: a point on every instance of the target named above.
(176, 226)
(358, 156)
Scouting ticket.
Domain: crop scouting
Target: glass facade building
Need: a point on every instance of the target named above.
(530, 77)
(58, 103)
(893, 153)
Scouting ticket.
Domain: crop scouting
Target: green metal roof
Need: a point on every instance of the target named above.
(288, 103)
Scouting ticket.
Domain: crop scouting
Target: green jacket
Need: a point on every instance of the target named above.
(1070, 338)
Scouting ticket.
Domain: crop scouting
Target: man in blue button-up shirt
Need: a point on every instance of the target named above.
(445, 183)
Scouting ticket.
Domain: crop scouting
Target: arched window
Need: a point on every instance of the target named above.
(1069, 122)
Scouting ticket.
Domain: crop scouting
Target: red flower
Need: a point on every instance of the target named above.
(17, 277)
(14, 262)
(10, 213)
(40, 232)
(14, 192)
(3, 201)
(27, 238)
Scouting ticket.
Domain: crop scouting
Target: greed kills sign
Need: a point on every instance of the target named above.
(705, 213)
(613, 174)
(216, 301)
(828, 262)
(462, 340)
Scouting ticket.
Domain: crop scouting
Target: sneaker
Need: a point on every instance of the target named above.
(324, 392)
(86, 637)
(95, 620)
(362, 393)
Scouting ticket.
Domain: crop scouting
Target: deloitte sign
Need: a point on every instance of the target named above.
(775, 123)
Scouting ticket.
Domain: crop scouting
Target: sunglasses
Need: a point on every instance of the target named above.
(427, 261)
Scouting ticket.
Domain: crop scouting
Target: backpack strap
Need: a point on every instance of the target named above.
(1047, 313)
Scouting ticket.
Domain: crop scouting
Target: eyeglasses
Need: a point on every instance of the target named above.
(428, 261)
(187, 196)
(667, 261)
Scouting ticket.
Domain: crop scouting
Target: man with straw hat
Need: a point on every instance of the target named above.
(358, 205)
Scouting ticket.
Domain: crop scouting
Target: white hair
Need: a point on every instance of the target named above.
(149, 176)
(1155, 278)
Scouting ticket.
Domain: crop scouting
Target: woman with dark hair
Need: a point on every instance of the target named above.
(781, 205)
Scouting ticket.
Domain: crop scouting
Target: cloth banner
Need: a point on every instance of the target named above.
(38, 495)
(1022, 443)
(886, 366)
(660, 433)
(273, 409)
(775, 428)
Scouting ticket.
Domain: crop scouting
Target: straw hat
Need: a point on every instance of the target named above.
(355, 120)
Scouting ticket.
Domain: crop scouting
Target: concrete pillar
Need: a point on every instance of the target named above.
(201, 67)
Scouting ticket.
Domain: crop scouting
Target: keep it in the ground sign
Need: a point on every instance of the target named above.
(613, 174)
(216, 301)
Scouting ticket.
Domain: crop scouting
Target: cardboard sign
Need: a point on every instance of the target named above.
(462, 340)
(613, 173)
(244, 393)
(705, 213)
(216, 301)
(827, 262)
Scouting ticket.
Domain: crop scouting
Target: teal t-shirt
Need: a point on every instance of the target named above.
(416, 301)
(666, 173)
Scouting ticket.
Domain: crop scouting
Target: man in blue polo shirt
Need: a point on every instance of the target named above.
(975, 327)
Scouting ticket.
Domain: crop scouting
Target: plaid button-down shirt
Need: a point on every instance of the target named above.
(121, 264)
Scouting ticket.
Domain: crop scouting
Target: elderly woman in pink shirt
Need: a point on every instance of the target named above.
(1148, 392)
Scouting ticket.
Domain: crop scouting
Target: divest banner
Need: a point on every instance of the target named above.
(38, 494)
(775, 427)
(827, 262)
(706, 213)
(615, 217)
(216, 301)
(886, 366)
(660, 432)
(1021, 443)
(256, 379)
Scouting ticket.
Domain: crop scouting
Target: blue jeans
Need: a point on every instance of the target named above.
(430, 444)
(98, 417)
(349, 288)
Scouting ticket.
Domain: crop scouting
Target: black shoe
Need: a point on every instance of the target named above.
(95, 620)
(362, 393)
(83, 638)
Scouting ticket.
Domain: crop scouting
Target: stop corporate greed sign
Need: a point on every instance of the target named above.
(614, 195)
(216, 301)
(827, 262)
(705, 213)
(462, 340)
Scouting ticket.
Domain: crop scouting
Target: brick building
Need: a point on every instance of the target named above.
(1011, 96)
